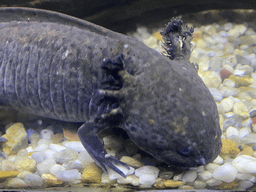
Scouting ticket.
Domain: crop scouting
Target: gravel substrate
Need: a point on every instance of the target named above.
(227, 61)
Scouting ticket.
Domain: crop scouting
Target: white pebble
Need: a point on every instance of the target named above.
(231, 132)
(29, 149)
(44, 141)
(132, 179)
(47, 134)
(243, 132)
(189, 176)
(218, 160)
(147, 170)
(68, 175)
(45, 166)
(38, 156)
(56, 168)
(227, 104)
(225, 173)
(246, 176)
(147, 180)
(84, 158)
(216, 94)
(211, 167)
(245, 164)
(49, 153)
(75, 145)
(56, 147)
(41, 147)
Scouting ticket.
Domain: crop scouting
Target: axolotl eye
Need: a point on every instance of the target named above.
(186, 151)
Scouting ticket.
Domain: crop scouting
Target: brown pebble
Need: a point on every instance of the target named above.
(229, 149)
(224, 73)
(92, 174)
(132, 162)
(247, 151)
(228, 186)
(172, 183)
(51, 180)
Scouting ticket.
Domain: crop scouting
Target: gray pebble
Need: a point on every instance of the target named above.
(38, 156)
(216, 94)
(65, 156)
(33, 180)
(68, 175)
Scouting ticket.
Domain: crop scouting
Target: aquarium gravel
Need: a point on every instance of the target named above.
(225, 54)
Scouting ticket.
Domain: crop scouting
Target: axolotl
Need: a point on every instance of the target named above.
(60, 67)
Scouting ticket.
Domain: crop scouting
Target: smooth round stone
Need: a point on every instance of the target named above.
(84, 158)
(72, 165)
(246, 176)
(75, 145)
(44, 141)
(213, 182)
(211, 167)
(147, 170)
(44, 166)
(47, 134)
(57, 147)
(199, 184)
(147, 180)
(56, 168)
(227, 104)
(68, 175)
(33, 180)
(226, 173)
(189, 176)
(131, 179)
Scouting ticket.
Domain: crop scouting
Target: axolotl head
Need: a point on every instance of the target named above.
(173, 116)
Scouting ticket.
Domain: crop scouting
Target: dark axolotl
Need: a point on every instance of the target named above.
(56, 66)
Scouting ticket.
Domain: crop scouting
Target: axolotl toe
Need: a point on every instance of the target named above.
(56, 66)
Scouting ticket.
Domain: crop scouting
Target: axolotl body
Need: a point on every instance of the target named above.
(60, 67)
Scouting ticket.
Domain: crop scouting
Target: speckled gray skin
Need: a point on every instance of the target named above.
(67, 69)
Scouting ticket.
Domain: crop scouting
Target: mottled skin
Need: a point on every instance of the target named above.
(56, 66)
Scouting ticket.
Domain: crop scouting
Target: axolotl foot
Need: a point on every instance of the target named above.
(88, 136)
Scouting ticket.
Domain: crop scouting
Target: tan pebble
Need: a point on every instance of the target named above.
(50, 180)
(70, 134)
(8, 174)
(172, 183)
(247, 151)
(25, 164)
(158, 36)
(228, 186)
(229, 149)
(58, 137)
(241, 81)
(8, 166)
(159, 183)
(186, 187)
(16, 183)
(131, 162)
(17, 139)
(92, 174)
(241, 109)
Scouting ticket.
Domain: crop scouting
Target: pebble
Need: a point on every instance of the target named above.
(229, 149)
(47, 134)
(205, 175)
(172, 183)
(68, 175)
(146, 180)
(231, 132)
(57, 148)
(33, 180)
(92, 174)
(51, 180)
(131, 179)
(25, 164)
(56, 168)
(7, 174)
(245, 164)
(132, 162)
(17, 139)
(147, 170)
(44, 166)
(38, 156)
(199, 184)
(16, 183)
(75, 145)
(189, 176)
(65, 156)
(226, 173)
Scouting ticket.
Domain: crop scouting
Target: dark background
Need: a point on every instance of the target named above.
(121, 15)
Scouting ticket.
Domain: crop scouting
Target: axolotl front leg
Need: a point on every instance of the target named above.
(94, 146)
(104, 112)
